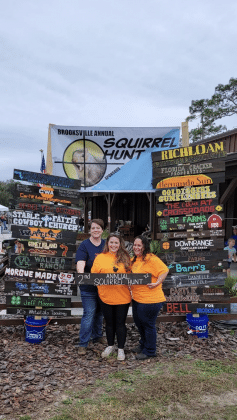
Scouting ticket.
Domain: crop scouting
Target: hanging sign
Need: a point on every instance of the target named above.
(47, 193)
(188, 207)
(55, 249)
(40, 262)
(46, 234)
(44, 288)
(39, 312)
(196, 294)
(33, 219)
(188, 169)
(190, 154)
(39, 178)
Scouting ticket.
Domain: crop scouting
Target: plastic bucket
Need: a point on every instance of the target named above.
(198, 325)
(35, 329)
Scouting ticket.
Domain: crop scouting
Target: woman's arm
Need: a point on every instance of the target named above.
(159, 280)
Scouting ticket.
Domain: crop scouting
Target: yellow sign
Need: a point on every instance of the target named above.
(186, 193)
(199, 149)
(184, 181)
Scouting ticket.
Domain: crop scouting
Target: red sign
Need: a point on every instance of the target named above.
(214, 221)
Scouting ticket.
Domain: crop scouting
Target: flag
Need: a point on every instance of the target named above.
(42, 168)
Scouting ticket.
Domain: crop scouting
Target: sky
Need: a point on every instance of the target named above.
(113, 63)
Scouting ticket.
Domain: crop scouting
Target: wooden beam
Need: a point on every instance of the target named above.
(229, 191)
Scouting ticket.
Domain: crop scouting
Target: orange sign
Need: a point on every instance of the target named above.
(184, 181)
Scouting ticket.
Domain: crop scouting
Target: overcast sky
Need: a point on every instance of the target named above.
(106, 63)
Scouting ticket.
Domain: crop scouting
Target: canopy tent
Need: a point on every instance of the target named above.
(3, 208)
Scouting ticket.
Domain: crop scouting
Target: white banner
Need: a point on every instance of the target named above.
(98, 155)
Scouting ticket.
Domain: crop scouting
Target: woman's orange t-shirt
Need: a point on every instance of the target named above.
(112, 295)
(153, 265)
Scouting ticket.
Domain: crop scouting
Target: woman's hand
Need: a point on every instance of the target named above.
(160, 280)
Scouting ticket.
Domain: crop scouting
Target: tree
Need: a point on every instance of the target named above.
(7, 189)
(222, 104)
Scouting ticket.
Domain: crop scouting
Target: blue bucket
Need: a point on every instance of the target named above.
(35, 329)
(198, 325)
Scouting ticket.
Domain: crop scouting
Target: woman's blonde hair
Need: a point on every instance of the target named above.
(122, 254)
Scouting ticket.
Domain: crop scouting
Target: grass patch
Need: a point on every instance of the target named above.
(189, 389)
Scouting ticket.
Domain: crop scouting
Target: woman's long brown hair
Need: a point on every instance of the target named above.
(122, 254)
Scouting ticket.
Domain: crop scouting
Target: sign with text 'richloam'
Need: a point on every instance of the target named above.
(188, 208)
(186, 244)
(193, 256)
(42, 302)
(190, 154)
(44, 288)
(196, 294)
(41, 220)
(191, 234)
(43, 234)
(46, 193)
(47, 208)
(188, 267)
(204, 192)
(53, 249)
(188, 169)
(190, 222)
(39, 312)
(198, 308)
(197, 279)
(112, 279)
(32, 275)
(40, 262)
(39, 178)
(188, 180)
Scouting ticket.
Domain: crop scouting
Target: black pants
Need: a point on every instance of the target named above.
(115, 318)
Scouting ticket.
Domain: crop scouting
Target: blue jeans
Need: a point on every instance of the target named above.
(144, 315)
(92, 318)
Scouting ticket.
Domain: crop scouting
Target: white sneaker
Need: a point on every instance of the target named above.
(109, 350)
(121, 355)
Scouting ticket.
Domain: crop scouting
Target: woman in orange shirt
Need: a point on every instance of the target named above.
(147, 299)
(115, 299)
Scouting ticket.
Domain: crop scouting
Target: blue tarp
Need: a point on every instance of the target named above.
(135, 175)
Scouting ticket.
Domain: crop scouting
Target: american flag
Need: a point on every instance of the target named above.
(42, 168)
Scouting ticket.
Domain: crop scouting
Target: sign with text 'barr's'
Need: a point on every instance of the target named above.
(190, 154)
(95, 154)
(39, 178)
(188, 267)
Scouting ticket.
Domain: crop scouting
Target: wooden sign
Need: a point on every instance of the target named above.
(46, 208)
(42, 248)
(33, 275)
(186, 244)
(194, 221)
(39, 178)
(39, 312)
(188, 267)
(199, 308)
(188, 208)
(191, 234)
(46, 193)
(187, 193)
(196, 294)
(112, 279)
(193, 255)
(190, 154)
(40, 262)
(189, 280)
(188, 180)
(48, 302)
(188, 169)
(44, 288)
(41, 220)
(41, 234)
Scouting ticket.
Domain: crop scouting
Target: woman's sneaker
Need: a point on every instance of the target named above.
(109, 350)
(121, 355)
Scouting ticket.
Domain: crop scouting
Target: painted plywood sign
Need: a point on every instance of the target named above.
(198, 279)
(47, 208)
(39, 312)
(44, 288)
(196, 294)
(52, 221)
(40, 262)
(168, 209)
(47, 193)
(39, 178)
(32, 275)
(42, 248)
(204, 192)
(188, 169)
(46, 234)
(112, 279)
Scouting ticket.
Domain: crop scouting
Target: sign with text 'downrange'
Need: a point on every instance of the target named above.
(112, 279)
(39, 178)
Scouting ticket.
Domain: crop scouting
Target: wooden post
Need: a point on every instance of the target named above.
(49, 161)
(185, 134)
